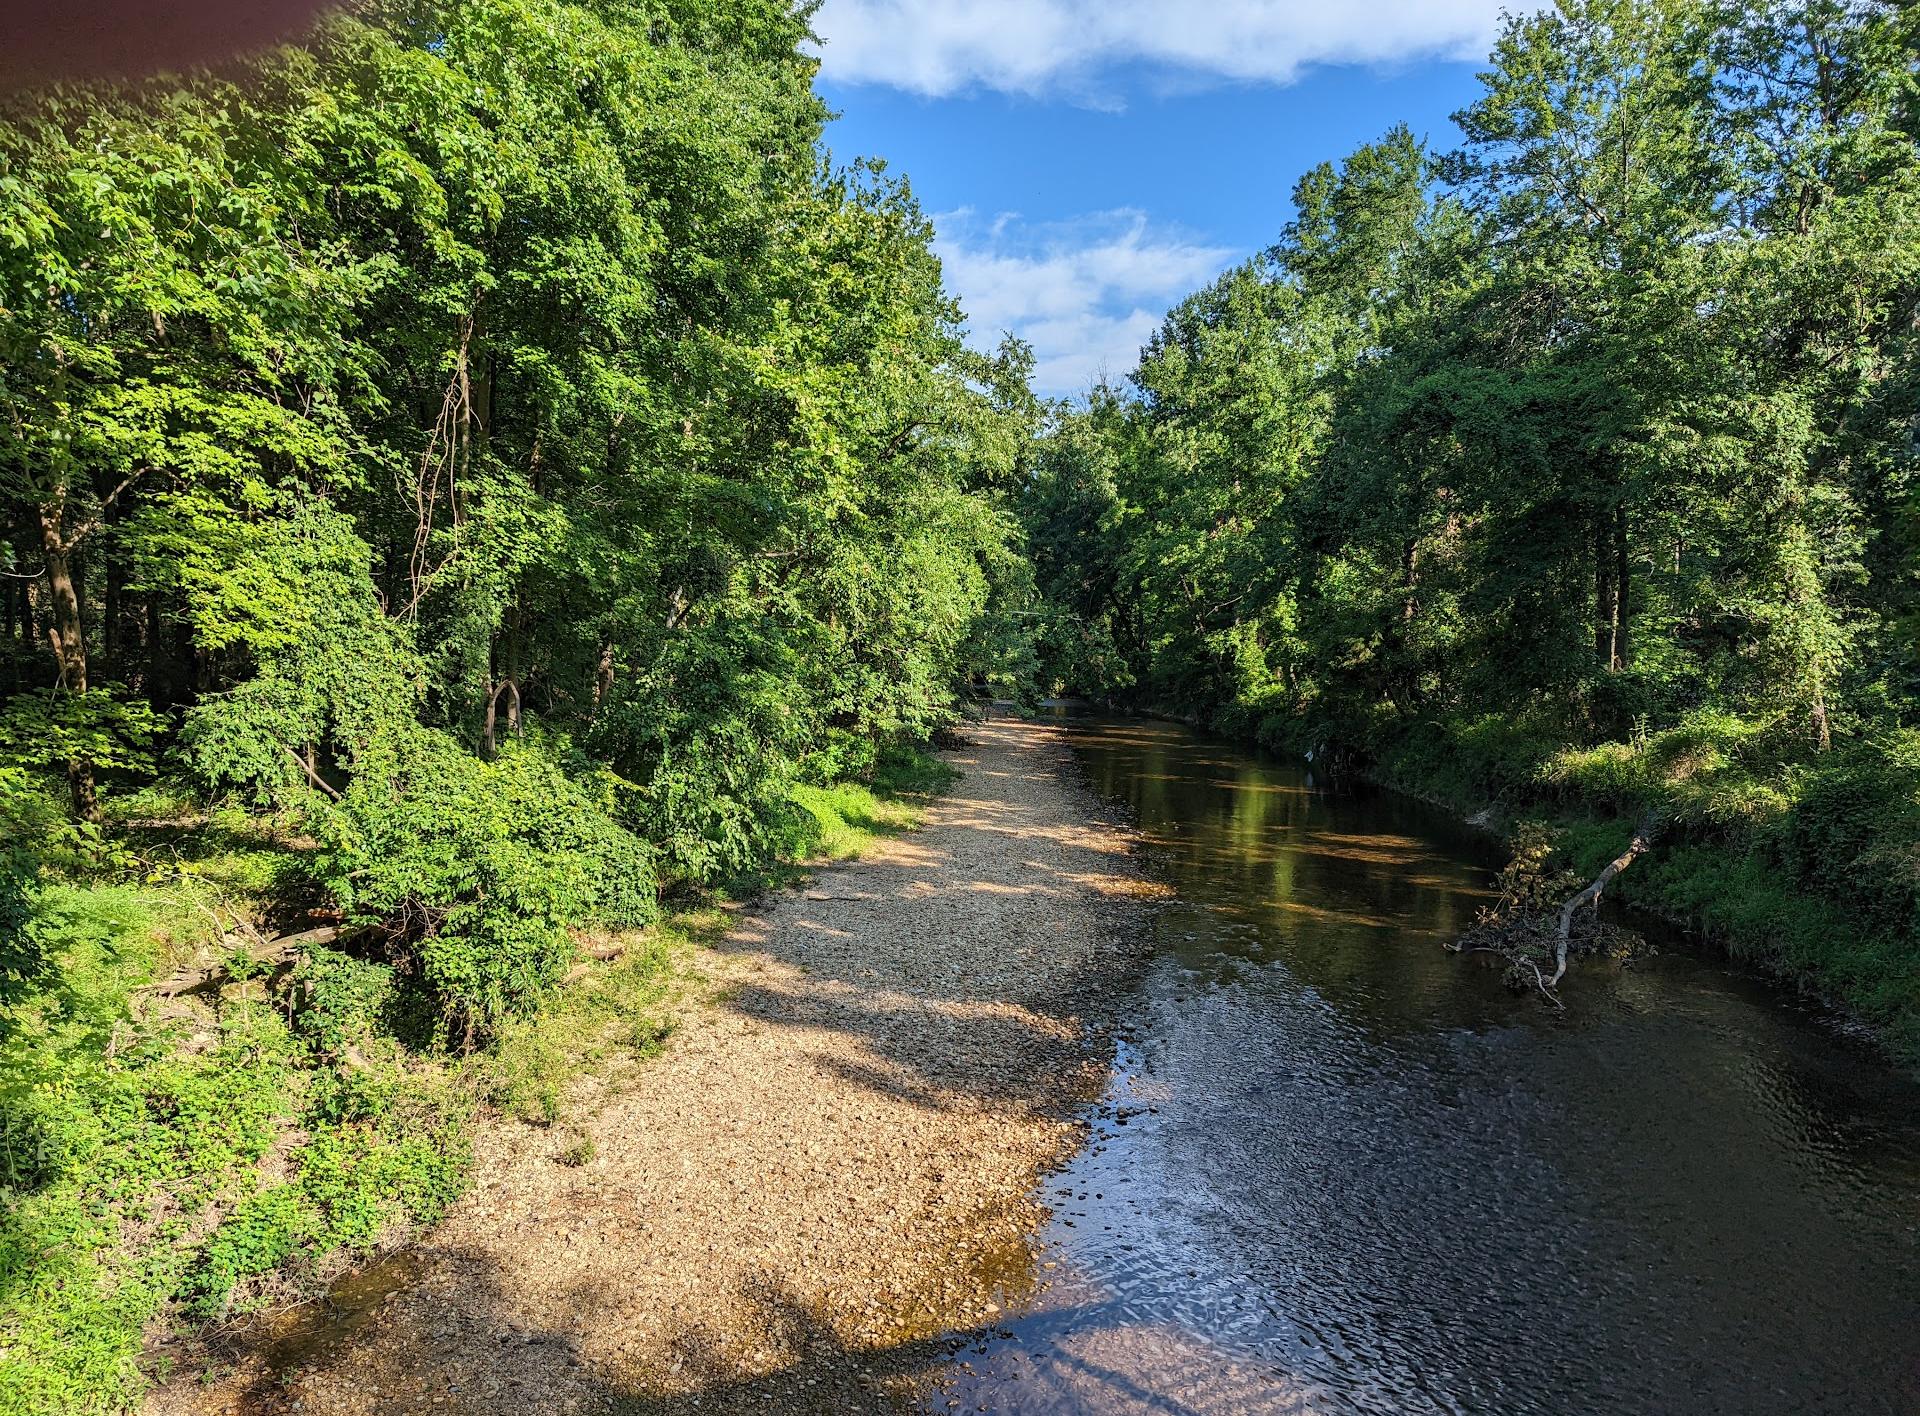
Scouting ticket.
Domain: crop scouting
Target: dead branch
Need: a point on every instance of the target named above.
(447, 453)
(1644, 836)
(605, 953)
(306, 770)
(1546, 990)
(268, 953)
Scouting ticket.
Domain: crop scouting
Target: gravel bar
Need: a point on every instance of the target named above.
(826, 1181)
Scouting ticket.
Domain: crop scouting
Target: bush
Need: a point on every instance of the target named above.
(707, 745)
(344, 1000)
(1712, 771)
(1854, 834)
(476, 869)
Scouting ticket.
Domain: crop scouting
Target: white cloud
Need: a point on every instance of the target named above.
(1086, 294)
(941, 47)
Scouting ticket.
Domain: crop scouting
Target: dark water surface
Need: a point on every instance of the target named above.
(1339, 1169)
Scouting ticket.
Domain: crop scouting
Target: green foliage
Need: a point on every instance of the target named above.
(260, 1234)
(344, 1000)
(1712, 771)
(846, 818)
(619, 1012)
(46, 731)
(501, 468)
(116, 1145)
(332, 674)
(474, 871)
(106, 1134)
(1854, 833)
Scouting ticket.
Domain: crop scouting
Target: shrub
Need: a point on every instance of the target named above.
(476, 869)
(344, 1000)
(1854, 833)
(707, 746)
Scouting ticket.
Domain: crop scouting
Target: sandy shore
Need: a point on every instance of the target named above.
(829, 1175)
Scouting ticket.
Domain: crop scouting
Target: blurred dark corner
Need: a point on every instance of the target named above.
(46, 40)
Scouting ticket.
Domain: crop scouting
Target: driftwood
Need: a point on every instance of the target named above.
(1644, 836)
(1537, 917)
(605, 953)
(271, 954)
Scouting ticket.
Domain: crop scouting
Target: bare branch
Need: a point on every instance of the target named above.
(306, 770)
(1644, 836)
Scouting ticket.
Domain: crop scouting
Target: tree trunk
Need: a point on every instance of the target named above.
(156, 652)
(503, 676)
(1611, 579)
(110, 639)
(1603, 597)
(489, 731)
(1622, 590)
(1611, 582)
(603, 680)
(66, 633)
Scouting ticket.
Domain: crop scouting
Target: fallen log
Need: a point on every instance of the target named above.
(268, 953)
(1644, 836)
(606, 952)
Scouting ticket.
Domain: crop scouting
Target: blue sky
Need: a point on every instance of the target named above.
(1089, 162)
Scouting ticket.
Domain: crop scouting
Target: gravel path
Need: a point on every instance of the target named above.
(827, 1178)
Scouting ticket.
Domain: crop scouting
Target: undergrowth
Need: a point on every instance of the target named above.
(181, 1161)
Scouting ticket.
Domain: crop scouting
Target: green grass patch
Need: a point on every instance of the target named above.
(620, 1011)
(849, 818)
(842, 820)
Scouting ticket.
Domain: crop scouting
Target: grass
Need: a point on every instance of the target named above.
(187, 1162)
(845, 819)
(851, 818)
(618, 1012)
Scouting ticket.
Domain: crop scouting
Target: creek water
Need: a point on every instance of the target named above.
(1339, 1169)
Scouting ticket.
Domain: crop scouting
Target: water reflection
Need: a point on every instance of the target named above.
(1338, 1169)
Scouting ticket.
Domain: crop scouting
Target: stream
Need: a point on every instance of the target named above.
(1339, 1169)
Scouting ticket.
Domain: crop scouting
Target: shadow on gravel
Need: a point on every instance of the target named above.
(503, 1366)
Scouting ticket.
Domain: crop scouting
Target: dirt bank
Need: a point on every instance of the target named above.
(829, 1173)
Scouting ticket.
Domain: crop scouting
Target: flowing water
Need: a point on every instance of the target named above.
(1339, 1169)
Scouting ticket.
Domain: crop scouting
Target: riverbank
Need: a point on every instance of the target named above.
(1801, 867)
(207, 1113)
(827, 1172)
(1754, 865)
